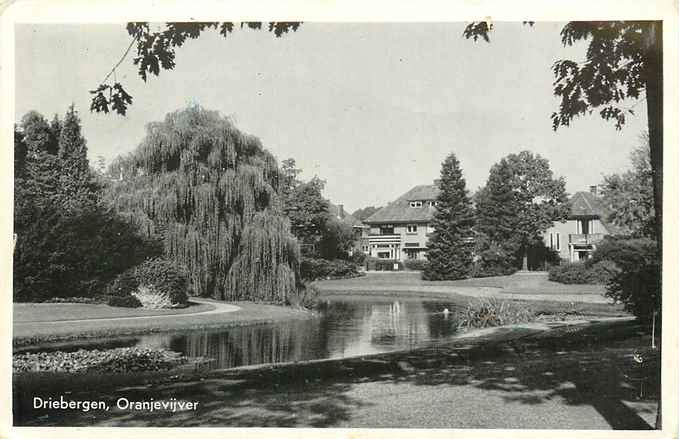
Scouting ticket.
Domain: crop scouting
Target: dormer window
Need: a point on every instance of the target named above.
(433, 203)
(416, 204)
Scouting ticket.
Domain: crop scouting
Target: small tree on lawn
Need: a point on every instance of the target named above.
(450, 254)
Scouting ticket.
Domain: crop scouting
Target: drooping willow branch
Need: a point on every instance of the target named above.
(210, 193)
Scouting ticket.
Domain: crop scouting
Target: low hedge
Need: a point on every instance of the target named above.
(583, 272)
(376, 264)
(415, 264)
(314, 268)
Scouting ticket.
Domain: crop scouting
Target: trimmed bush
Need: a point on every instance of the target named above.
(156, 283)
(312, 269)
(583, 272)
(124, 301)
(152, 298)
(415, 264)
(163, 277)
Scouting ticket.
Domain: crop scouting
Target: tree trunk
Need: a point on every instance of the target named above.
(654, 103)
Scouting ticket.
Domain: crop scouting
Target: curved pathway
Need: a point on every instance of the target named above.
(218, 308)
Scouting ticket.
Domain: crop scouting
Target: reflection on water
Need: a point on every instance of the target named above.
(344, 329)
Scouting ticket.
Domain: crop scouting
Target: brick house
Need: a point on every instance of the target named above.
(400, 230)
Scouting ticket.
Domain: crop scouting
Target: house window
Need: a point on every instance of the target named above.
(416, 204)
(551, 241)
(433, 203)
(411, 228)
(558, 244)
(387, 229)
(383, 255)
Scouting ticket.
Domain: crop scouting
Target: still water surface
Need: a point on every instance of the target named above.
(345, 328)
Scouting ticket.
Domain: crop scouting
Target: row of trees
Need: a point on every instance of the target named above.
(501, 225)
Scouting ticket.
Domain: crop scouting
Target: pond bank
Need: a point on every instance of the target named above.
(527, 376)
(213, 314)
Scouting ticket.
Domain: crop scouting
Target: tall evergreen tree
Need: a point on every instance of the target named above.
(449, 254)
(73, 151)
(66, 245)
(497, 211)
(55, 134)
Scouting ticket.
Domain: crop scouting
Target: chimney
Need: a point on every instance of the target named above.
(593, 189)
(340, 211)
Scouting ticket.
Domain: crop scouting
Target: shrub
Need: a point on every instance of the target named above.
(156, 283)
(124, 301)
(493, 260)
(312, 269)
(415, 264)
(358, 257)
(377, 264)
(636, 282)
(583, 272)
(152, 298)
(124, 284)
(163, 277)
(484, 313)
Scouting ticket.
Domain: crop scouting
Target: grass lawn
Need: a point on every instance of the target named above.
(33, 329)
(531, 283)
(533, 290)
(43, 312)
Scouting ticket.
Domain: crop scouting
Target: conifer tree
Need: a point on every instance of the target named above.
(449, 254)
(36, 133)
(497, 211)
(76, 182)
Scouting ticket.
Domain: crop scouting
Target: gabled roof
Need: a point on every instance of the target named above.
(399, 211)
(348, 218)
(586, 204)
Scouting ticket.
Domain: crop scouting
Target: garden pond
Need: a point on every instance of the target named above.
(346, 327)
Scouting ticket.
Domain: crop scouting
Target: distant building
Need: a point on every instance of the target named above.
(337, 210)
(400, 230)
(577, 237)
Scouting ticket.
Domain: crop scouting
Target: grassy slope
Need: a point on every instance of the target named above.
(43, 312)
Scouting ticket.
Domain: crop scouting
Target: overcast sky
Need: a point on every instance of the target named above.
(371, 108)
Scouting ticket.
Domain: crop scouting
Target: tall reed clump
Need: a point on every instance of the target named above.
(209, 192)
(488, 312)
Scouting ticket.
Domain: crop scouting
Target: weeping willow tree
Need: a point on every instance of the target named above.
(209, 192)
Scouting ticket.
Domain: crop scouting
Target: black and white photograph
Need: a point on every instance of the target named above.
(448, 224)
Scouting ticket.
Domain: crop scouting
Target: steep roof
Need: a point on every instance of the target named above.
(586, 204)
(399, 211)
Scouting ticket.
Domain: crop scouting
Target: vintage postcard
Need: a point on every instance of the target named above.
(412, 218)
